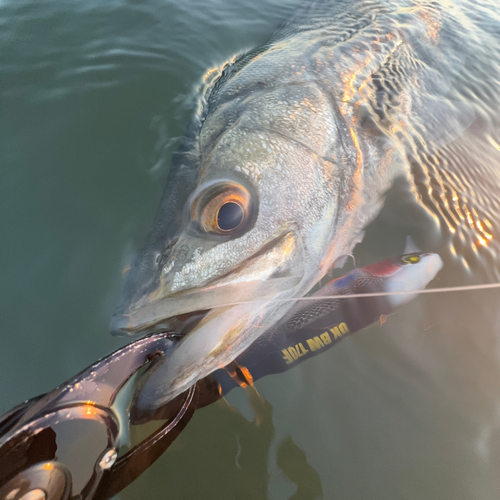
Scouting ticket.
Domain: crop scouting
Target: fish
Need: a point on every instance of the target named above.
(285, 165)
(310, 328)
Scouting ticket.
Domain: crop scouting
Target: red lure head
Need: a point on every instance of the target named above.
(390, 266)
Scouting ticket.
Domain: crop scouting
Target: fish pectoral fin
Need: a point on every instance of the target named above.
(341, 261)
(446, 120)
(411, 246)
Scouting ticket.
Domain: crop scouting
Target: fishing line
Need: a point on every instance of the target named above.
(312, 298)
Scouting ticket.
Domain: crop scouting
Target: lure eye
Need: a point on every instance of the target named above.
(411, 259)
(223, 208)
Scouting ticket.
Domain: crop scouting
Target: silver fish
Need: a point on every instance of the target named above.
(289, 161)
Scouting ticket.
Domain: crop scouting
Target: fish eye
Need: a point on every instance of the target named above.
(411, 259)
(223, 207)
(230, 216)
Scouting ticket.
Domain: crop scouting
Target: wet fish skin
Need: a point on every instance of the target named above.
(314, 128)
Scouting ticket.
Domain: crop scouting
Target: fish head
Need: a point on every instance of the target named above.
(247, 214)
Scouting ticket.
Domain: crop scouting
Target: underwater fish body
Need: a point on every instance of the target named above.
(288, 162)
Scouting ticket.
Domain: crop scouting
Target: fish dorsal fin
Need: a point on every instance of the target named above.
(411, 246)
(445, 120)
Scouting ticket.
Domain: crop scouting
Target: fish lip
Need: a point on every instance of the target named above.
(124, 323)
(120, 327)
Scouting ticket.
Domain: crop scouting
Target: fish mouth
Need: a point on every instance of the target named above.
(177, 326)
(273, 268)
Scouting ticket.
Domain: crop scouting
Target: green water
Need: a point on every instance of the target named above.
(93, 96)
(92, 101)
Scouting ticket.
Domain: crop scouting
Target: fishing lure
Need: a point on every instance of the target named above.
(315, 326)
